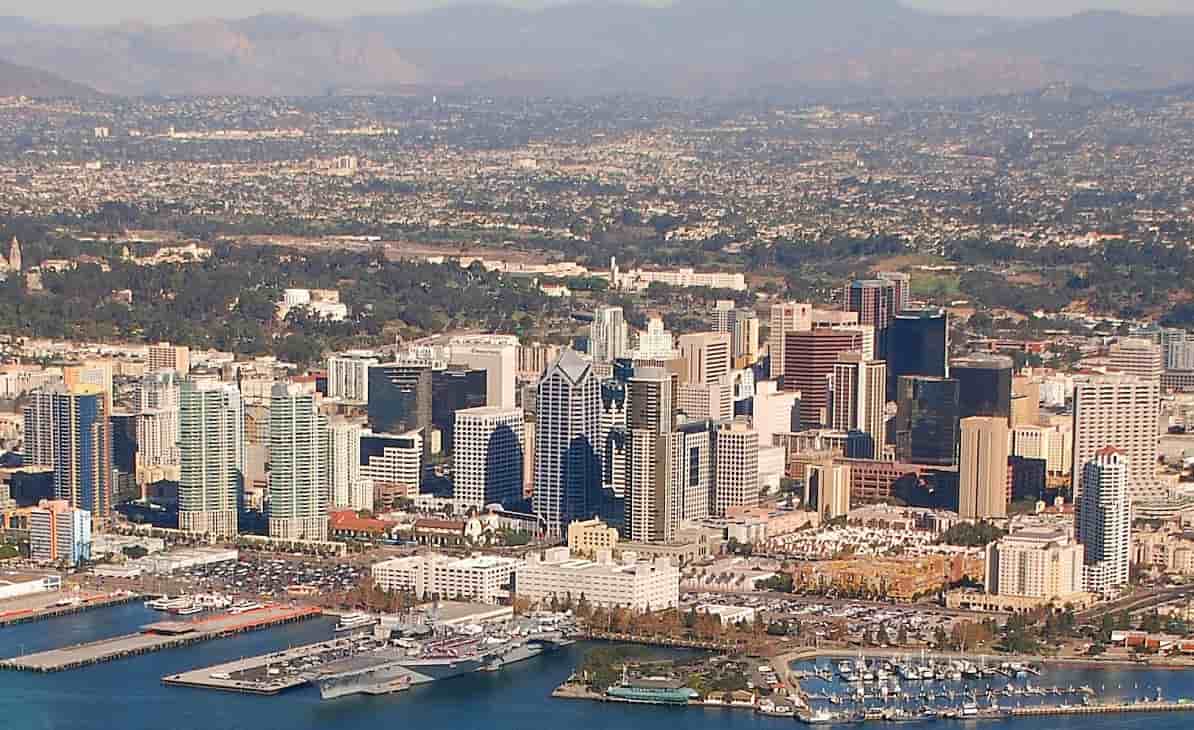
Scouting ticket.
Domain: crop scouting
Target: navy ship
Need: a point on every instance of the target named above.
(407, 662)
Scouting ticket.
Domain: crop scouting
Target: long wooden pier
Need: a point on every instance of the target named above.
(29, 615)
(156, 637)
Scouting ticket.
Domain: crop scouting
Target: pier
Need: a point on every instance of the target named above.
(662, 641)
(156, 637)
(253, 675)
(40, 608)
(1180, 706)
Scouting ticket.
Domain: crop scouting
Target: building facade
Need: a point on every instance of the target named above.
(211, 448)
(300, 460)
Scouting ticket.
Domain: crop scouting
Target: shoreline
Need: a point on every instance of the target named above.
(1088, 662)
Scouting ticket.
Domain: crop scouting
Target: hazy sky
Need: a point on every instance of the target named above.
(159, 11)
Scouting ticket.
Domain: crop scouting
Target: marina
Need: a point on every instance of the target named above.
(157, 637)
(52, 605)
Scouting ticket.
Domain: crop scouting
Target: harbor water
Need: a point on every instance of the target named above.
(128, 694)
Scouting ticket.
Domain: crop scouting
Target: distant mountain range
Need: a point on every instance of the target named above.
(690, 48)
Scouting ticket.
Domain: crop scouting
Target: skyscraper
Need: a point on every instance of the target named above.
(983, 468)
(609, 338)
(917, 345)
(651, 400)
(165, 356)
(497, 355)
(487, 465)
(454, 390)
(567, 472)
(344, 469)
(655, 343)
(299, 465)
(1104, 524)
(1122, 412)
(743, 327)
(68, 428)
(786, 317)
(876, 301)
(211, 449)
(59, 532)
(158, 396)
(400, 398)
(901, 284)
(707, 356)
(827, 488)
(1139, 357)
(737, 478)
(858, 399)
(809, 359)
(984, 385)
(348, 375)
(926, 428)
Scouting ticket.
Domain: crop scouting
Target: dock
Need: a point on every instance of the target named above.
(40, 608)
(157, 637)
(1103, 709)
(252, 675)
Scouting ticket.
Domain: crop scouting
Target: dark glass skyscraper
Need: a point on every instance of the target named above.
(400, 399)
(454, 390)
(984, 385)
(916, 345)
(927, 421)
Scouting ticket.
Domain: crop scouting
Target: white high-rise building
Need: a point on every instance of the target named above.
(707, 356)
(1140, 357)
(773, 411)
(212, 458)
(608, 335)
(497, 355)
(158, 397)
(567, 427)
(348, 375)
(655, 343)
(347, 491)
(1123, 412)
(1041, 562)
(1105, 521)
(737, 478)
(164, 356)
(786, 317)
(858, 398)
(487, 465)
(1178, 348)
(299, 465)
(713, 401)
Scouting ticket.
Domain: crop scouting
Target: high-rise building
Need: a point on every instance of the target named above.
(984, 385)
(773, 412)
(827, 488)
(876, 302)
(918, 343)
(672, 476)
(809, 359)
(1104, 522)
(299, 465)
(651, 395)
(1026, 401)
(567, 427)
(926, 428)
(158, 396)
(1178, 348)
(1139, 357)
(400, 398)
(901, 284)
(609, 337)
(393, 461)
(59, 533)
(164, 356)
(1041, 562)
(211, 448)
(743, 327)
(707, 356)
(454, 390)
(613, 442)
(655, 343)
(711, 401)
(497, 355)
(69, 428)
(983, 468)
(487, 464)
(858, 402)
(786, 317)
(737, 478)
(344, 468)
(533, 359)
(348, 375)
(1122, 412)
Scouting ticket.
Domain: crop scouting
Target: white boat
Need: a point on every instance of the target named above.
(244, 607)
(165, 603)
(188, 610)
(353, 621)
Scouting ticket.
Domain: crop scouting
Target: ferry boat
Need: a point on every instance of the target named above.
(188, 610)
(165, 603)
(354, 621)
(245, 607)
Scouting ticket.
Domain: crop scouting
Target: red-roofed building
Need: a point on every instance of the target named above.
(347, 525)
